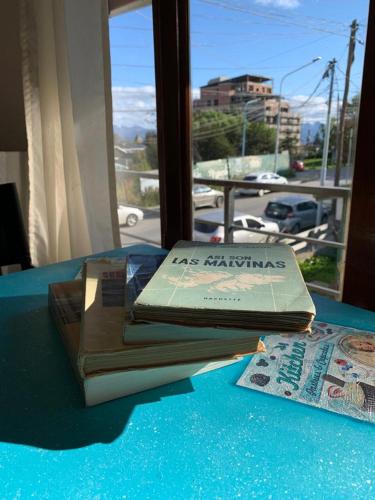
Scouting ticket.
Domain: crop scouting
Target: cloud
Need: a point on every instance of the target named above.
(196, 93)
(314, 111)
(136, 106)
(284, 4)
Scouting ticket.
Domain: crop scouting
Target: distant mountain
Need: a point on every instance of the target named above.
(308, 131)
(129, 133)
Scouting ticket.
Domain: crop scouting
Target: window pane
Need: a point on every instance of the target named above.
(261, 76)
(134, 119)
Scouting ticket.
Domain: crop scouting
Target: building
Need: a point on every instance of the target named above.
(266, 111)
(230, 94)
(224, 91)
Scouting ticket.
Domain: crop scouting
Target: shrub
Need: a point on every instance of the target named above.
(286, 172)
(319, 268)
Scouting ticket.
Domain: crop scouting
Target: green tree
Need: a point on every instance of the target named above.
(213, 148)
(219, 135)
(260, 139)
(213, 135)
(289, 143)
(140, 162)
(151, 149)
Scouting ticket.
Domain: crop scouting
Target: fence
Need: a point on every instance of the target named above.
(238, 167)
(319, 192)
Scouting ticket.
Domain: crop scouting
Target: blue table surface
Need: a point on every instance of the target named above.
(198, 438)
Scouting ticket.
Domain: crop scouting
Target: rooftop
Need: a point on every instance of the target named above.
(242, 78)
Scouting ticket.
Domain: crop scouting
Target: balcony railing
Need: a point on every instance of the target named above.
(319, 192)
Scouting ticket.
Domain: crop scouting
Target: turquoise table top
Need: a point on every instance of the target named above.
(200, 438)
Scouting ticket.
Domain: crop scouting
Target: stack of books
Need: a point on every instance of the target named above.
(140, 322)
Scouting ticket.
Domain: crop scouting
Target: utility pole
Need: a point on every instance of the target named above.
(278, 119)
(340, 131)
(244, 123)
(330, 72)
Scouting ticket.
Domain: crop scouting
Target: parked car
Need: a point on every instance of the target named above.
(204, 196)
(294, 213)
(213, 232)
(129, 215)
(298, 165)
(262, 177)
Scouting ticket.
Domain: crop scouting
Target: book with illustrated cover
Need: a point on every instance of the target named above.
(65, 305)
(139, 270)
(103, 315)
(243, 286)
(103, 309)
(333, 368)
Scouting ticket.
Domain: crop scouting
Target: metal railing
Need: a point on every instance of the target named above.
(319, 192)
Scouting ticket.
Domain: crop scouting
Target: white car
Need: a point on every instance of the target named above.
(262, 177)
(129, 215)
(204, 196)
(213, 232)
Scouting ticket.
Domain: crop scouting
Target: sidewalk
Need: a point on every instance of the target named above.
(313, 177)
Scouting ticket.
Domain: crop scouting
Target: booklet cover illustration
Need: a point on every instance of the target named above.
(333, 368)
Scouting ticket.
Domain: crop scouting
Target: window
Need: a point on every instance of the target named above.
(307, 205)
(253, 224)
(134, 119)
(241, 134)
(278, 211)
(239, 223)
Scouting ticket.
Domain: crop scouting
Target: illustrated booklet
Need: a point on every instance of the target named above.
(246, 287)
(333, 368)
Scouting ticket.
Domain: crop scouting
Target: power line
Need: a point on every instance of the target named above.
(311, 95)
(292, 49)
(290, 18)
(288, 50)
(241, 20)
(306, 82)
(271, 16)
(151, 66)
(351, 81)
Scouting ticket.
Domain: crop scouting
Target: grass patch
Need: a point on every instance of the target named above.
(319, 268)
(286, 172)
(314, 164)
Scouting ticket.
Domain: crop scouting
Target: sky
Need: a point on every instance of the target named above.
(235, 37)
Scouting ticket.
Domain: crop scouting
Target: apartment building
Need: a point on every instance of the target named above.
(230, 94)
(266, 111)
(224, 91)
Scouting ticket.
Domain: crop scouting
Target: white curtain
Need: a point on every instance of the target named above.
(72, 197)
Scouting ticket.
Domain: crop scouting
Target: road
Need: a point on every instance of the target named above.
(148, 230)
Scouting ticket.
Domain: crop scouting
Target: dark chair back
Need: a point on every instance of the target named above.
(14, 248)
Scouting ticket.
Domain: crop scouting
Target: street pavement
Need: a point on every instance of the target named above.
(148, 230)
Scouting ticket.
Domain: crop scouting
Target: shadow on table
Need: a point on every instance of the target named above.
(41, 402)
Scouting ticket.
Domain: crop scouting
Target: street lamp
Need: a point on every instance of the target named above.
(244, 122)
(279, 108)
